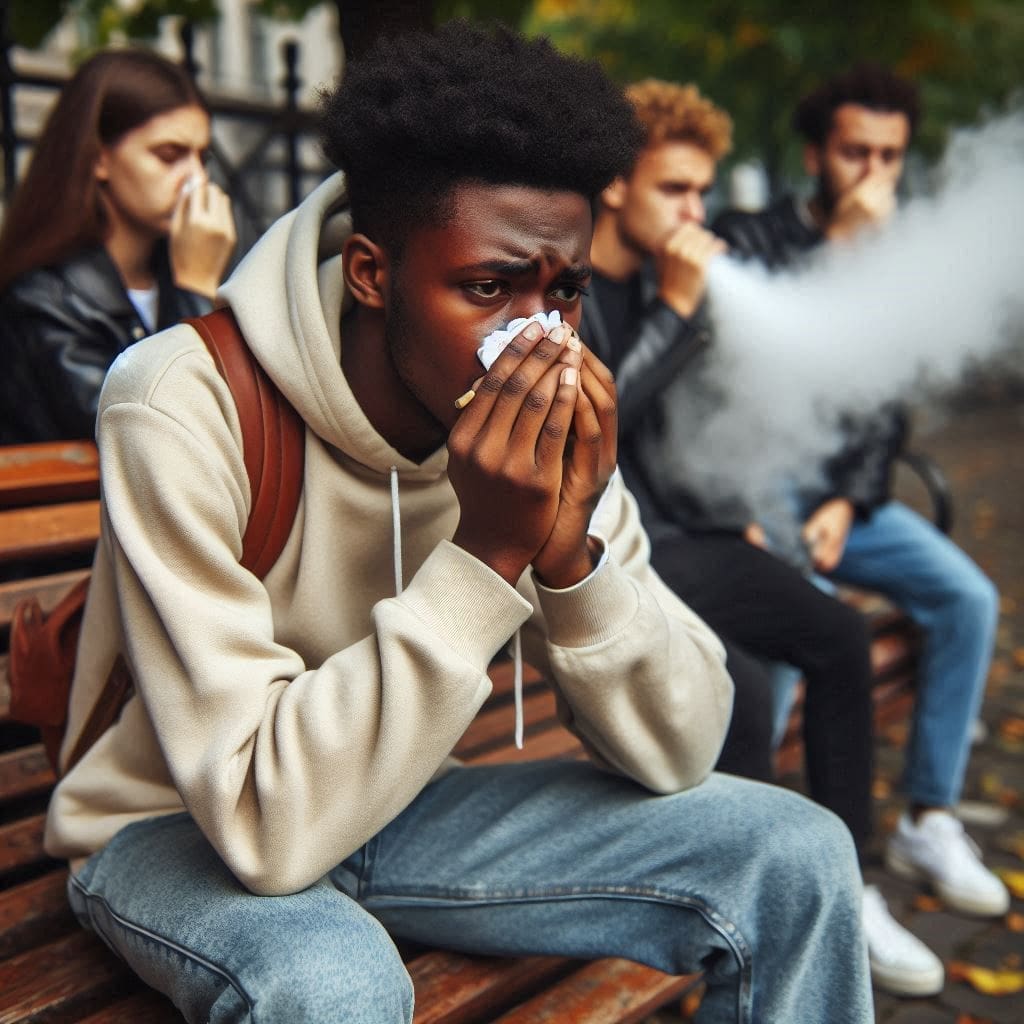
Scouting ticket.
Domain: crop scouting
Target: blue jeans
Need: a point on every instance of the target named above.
(753, 884)
(901, 555)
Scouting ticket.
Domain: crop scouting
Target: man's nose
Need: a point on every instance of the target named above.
(875, 163)
(693, 207)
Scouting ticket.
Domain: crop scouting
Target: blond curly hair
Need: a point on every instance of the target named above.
(678, 113)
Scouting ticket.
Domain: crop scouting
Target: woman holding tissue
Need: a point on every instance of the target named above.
(114, 233)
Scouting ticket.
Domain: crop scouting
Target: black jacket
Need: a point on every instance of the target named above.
(862, 471)
(60, 329)
(661, 347)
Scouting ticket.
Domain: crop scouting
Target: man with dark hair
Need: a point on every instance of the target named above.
(857, 128)
(280, 785)
(645, 315)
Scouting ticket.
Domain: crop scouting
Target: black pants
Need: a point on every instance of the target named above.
(761, 608)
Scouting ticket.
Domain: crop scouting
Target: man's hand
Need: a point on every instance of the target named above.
(590, 458)
(682, 264)
(202, 239)
(754, 534)
(507, 447)
(870, 202)
(825, 533)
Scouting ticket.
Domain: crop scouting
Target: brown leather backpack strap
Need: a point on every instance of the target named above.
(112, 698)
(273, 440)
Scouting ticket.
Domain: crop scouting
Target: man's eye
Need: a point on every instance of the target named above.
(567, 292)
(485, 289)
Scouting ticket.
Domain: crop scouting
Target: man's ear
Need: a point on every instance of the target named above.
(812, 160)
(365, 265)
(614, 196)
(101, 168)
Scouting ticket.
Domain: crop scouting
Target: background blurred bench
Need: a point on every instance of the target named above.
(52, 972)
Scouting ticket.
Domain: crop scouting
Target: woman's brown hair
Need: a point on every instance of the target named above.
(56, 210)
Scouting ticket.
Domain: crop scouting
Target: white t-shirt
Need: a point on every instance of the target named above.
(146, 302)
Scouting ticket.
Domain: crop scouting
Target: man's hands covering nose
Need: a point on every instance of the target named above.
(682, 264)
(531, 455)
(870, 202)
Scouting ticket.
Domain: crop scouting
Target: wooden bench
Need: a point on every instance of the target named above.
(52, 972)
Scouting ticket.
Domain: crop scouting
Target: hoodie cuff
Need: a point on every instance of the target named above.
(595, 610)
(465, 604)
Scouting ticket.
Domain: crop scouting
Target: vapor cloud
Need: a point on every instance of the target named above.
(888, 316)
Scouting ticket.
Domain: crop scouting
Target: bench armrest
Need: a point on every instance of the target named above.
(936, 485)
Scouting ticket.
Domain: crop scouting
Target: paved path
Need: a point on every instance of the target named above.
(981, 450)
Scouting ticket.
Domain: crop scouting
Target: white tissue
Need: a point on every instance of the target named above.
(494, 344)
(192, 182)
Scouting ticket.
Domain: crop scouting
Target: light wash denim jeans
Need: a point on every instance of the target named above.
(903, 556)
(753, 884)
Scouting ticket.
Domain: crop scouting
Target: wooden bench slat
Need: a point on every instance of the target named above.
(611, 991)
(48, 590)
(25, 772)
(21, 843)
(70, 977)
(552, 742)
(48, 531)
(50, 471)
(5, 690)
(147, 1007)
(34, 912)
(456, 989)
(495, 726)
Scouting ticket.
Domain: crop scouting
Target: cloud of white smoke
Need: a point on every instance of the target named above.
(905, 308)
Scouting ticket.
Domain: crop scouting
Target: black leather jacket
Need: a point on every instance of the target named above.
(862, 470)
(60, 329)
(661, 346)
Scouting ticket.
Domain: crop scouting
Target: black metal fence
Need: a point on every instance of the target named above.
(263, 153)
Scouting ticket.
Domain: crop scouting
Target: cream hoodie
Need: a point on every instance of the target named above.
(293, 718)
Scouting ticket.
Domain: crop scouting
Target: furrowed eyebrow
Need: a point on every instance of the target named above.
(504, 268)
(577, 273)
(520, 268)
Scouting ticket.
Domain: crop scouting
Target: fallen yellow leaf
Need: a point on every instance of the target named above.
(1012, 728)
(1014, 881)
(989, 982)
(692, 1000)
(1015, 922)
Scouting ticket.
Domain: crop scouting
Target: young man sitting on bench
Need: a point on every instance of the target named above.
(278, 795)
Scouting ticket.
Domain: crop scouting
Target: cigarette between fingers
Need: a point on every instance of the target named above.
(463, 400)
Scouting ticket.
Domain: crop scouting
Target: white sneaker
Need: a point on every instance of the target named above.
(900, 963)
(938, 851)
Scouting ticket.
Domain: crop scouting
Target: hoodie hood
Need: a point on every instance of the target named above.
(289, 296)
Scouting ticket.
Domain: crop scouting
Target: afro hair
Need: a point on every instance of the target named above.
(678, 113)
(866, 85)
(420, 113)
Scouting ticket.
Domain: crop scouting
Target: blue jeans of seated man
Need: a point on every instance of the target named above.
(751, 883)
(903, 556)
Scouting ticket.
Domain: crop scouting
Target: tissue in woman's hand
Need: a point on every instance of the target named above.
(494, 344)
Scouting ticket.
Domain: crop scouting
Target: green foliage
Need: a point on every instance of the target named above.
(755, 58)
(101, 21)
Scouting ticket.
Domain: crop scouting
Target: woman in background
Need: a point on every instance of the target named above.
(114, 233)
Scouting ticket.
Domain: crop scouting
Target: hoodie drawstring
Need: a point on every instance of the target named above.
(396, 530)
(517, 644)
